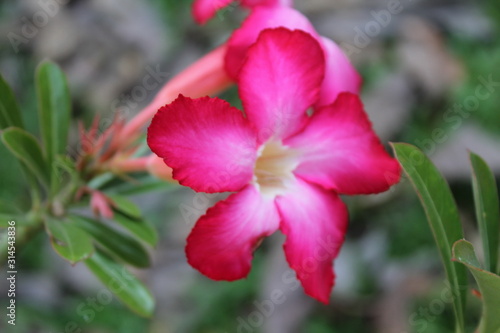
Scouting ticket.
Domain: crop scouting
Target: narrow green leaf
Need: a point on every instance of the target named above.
(69, 241)
(54, 107)
(122, 246)
(487, 210)
(26, 148)
(10, 115)
(125, 206)
(145, 184)
(442, 214)
(488, 283)
(124, 285)
(138, 227)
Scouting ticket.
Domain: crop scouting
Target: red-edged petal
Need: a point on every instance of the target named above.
(315, 222)
(340, 76)
(204, 10)
(208, 144)
(222, 242)
(261, 18)
(280, 80)
(253, 3)
(342, 152)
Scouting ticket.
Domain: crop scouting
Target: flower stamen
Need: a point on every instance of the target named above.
(274, 168)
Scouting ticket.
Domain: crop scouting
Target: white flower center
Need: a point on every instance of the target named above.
(274, 167)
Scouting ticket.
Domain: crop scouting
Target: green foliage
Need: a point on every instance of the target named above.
(123, 284)
(73, 238)
(138, 227)
(10, 115)
(54, 109)
(68, 240)
(489, 286)
(128, 215)
(113, 241)
(26, 148)
(125, 206)
(487, 209)
(442, 214)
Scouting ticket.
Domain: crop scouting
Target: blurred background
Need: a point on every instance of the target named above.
(431, 78)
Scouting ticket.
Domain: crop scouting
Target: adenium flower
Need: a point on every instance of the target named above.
(286, 168)
(219, 69)
(204, 10)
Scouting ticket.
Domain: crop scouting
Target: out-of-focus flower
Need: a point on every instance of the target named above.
(287, 168)
(204, 10)
(340, 74)
(219, 69)
(100, 204)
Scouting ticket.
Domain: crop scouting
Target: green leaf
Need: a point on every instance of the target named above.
(26, 148)
(487, 210)
(138, 227)
(54, 107)
(129, 216)
(69, 241)
(10, 115)
(442, 214)
(488, 283)
(125, 206)
(124, 285)
(123, 246)
(144, 184)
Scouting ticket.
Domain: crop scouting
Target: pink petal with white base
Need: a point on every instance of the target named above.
(340, 76)
(222, 242)
(208, 144)
(314, 221)
(280, 81)
(261, 18)
(341, 151)
(204, 10)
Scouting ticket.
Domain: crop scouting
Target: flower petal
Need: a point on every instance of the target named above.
(280, 80)
(222, 242)
(204, 10)
(315, 222)
(340, 76)
(208, 144)
(342, 152)
(261, 18)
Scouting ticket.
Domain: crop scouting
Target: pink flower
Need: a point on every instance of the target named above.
(204, 10)
(209, 75)
(340, 74)
(287, 168)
